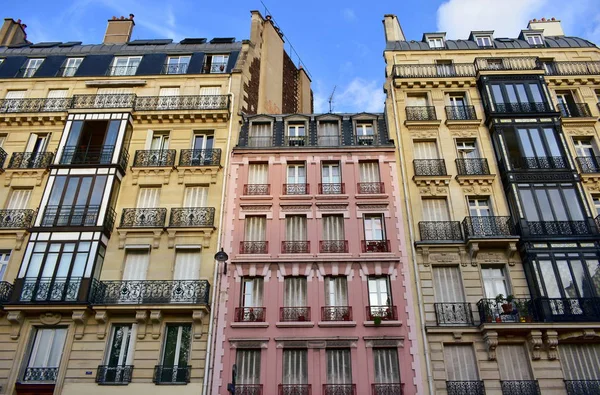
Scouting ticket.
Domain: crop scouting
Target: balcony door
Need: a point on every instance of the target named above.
(448, 285)
(374, 228)
(494, 281)
(45, 355)
(176, 354)
(295, 296)
(585, 151)
(339, 367)
(329, 135)
(296, 173)
(248, 369)
(37, 143)
(136, 265)
(202, 149)
(91, 142)
(387, 369)
(119, 353)
(160, 141)
(379, 291)
(460, 363)
(56, 100)
(295, 370)
(425, 150)
(296, 135)
(467, 149)
(295, 229)
(365, 134)
(258, 174)
(336, 291)
(330, 173)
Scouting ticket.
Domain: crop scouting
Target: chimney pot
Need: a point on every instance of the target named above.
(131, 16)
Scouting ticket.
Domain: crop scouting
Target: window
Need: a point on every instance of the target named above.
(248, 368)
(187, 266)
(379, 291)
(596, 200)
(495, 281)
(417, 100)
(329, 134)
(260, 135)
(169, 98)
(91, 142)
(387, 370)
(331, 179)
(45, 354)
(32, 67)
(566, 104)
(296, 136)
(74, 201)
(125, 65)
(203, 141)
(19, 199)
(460, 362)
(336, 291)
(160, 141)
(255, 228)
(535, 148)
(215, 64)
(425, 150)
(483, 41)
(119, 356)
(365, 133)
(457, 100)
(13, 102)
(339, 368)
(369, 172)
(4, 258)
(435, 42)
(333, 227)
(435, 210)
(447, 284)
(467, 149)
(514, 97)
(294, 300)
(195, 196)
(374, 227)
(258, 181)
(550, 202)
(479, 207)
(202, 153)
(513, 362)
(37, 143)
(136, 264)
(535, 39)
(295, 228)
(580, 362)
(584, 147)
(252, 292)
(210, 90)
(177, 65)
(148, 197)
(295, 369)
(567, 275)
(296, 179)
(176, 354)
(70, 66)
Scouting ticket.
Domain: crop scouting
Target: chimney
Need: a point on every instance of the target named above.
(393, 30)
(119, 30)
(12, 32)
(551, 27)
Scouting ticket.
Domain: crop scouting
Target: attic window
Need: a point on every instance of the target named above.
(535, 39)
(484, 41)
(215, 64)
(435, 42)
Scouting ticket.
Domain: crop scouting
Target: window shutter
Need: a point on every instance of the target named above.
(171, 91)
(258, 173)
(295, 367)
(426, 150)
(19, 199)
(580, 361)
(513, 362)
(369, 172)
(339, 370)
(195, 197)
(136, 264)
(15, 95)
(187, 264)
(295, 292)
(248, 364)
(148, 198)
(447, 284)
(256, 229)
(386, 365)
(460, 362)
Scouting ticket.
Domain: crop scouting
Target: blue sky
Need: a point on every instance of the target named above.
(340, 42)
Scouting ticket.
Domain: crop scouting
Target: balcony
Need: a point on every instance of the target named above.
(375, 246)
(457, 313)
(515, 63)
(568, 309)
(143, 217)
(338, 389)
(387, 389)
(366, 139)
(20, 218)
(429, 167)
(512, 108)
(385, 313)
(117, 71)
(200, 157)
(370, 188)
(196, 102)
(41, 375)
(171, 374)
(180, 68)
(440, 231)
(540, 163)
(461, 113)
(589, 164)
(294, 314)
(6, 290)
(35, 105)
(30, 160)
(296, 189)
(503, 311)
(472, 167)
(257, 189)
(520, 387)
(571, 68)
(154, 158)
(260, 141)
(332, 188)
(558, 228)
(582, 387)
(254, 247)
(294, 389)
(574, 110)
(250, 314)
(296, 141)
(248, 389)
(81, 102)
(488, 227)
(295, 247)
(474, 387)
(48, 290)
(91, 155)
(420, 113)
(114, 375)
(192, 217)
(137, 292)
(434, 70)
(333, 246)
(336, 313)
(3, 156)
(70, 216)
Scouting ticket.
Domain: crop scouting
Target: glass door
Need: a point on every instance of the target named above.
(120, 353)
(202, 151)
(176, 354)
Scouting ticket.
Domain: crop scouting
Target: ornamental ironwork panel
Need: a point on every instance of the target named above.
(507, 63)
(172, 374)
(296, 141)
(367, 188)
(150, 292)
(19, 218)
(257, 189)
(195, 102)
(434, 70)
(248, 389)
(333, 246)
(542, 162)
(574, 110)
(30, 160)
(440, 231)
(295, 247)
(180, 68)
(143, 217)
(254, 247)
(455, 113)
(40, 374)
(366, 139)
(332, 188)
(386, 313)
(107, 374)
(521, 107)
(568, 309)
(154, 158)
(294, 389)
(339, 389)
(190, 217)
(465, 387)
(488, 227)
(457, 313)
(520, 387)
(250, 314)
(430, 167)
(583, 387)
(6, 290)
(571, 68)
(502, 310)
(57, 289)
(336, 313)
(558, 228)
(387, 389)
(294, 314)
(296, 189)
(200, 157)
(420, 113)
(35, 104)
(70, 216)
(90, 155)
(3, 156)
(589, 164)
(375, 246)
(125, 100)
(472, 166)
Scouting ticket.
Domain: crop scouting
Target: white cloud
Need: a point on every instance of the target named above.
(349, 14)
(357, 96)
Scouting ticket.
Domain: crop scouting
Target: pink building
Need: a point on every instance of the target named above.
(317, 296)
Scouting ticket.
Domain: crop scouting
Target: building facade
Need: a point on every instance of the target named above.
(114, 161)
(497, 143)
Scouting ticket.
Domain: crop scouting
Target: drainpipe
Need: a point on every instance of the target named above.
(217, 272)
(412, 245)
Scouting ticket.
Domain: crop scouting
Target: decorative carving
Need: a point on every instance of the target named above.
(551, 340)
(511, 251)
(445, 257)
(79, 317)
(425, 254)
(491, 257)
(433, 191)
(332, 207)
(372, 206)
(473, 251)
(296, 207)
(141, 317)
(102, 320)
(491, 340)
(424, 181)
(16, 322)
(156, 319)
(256, 207)
(198, 317)
(50, 318)
(535, 343)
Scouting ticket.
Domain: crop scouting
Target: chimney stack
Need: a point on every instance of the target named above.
(12, 32)
(393, 30)
(551, 26)
(119, 30)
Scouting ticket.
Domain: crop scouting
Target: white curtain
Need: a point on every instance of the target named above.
(435, 210)
(47, 348)
(248, 366)
(426, 150)
(513, 362)
(187, 264)
(260, 135)
(195, 197)
(258, 173)
(56, 94)
(295, 367)
(295, 228)
(336, 291)
(15, 95)
(172, 91)
(387, 369)
(369, 172)
(333, 227)
(447, 284)
(19, 199)
(329, 134)
(114, 91)
(295, 292)
(256, 229)
(419, 101)
(210, 90)
(339, 369)
(460, 362)
(136, 264)
(148, 197)
(580, 361)
(253, 292)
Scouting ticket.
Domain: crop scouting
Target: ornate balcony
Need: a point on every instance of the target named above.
(154, 158)
(339, 389)
(116, 71)
(250, 314)
(571, 68)
(574, 110)
(114, 375)
(488, 227)
(200, 157)
(192, 217)
(35, 105)
(510, 108)
(366, 139)
(295, 247)
(257, 189)
(472, 166)
(40, 374)
(294, 314)
(465, 387)
(420, 113)
(514, 63)
(589, 164)
(376, 246)
(254, 247)
(520, 387)
(180, 68)
(125, 100)
(558, 228)
(461, 113)
(386, 313)
(582, 387)
(49, 290)
(333, 246)
(430, 167)
(457, 313)
(137, 292)
(3, 156)
(517, 311)
(296, 141)
(248, 389)
(434, 70)
(387, 389)
(294, 389)
(30, 160)
(70, 216)
(6, 290)
(296, 189)
(332, 188)
(542, 162)
(370, 188)
(20, 218)
(196, 102)
(568, 309)
(143, 217)
(172, 374)
(336, 313)
(92, 155)
(440, 231)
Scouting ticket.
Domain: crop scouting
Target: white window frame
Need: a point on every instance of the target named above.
(371, 222)
(534, 39)
(467, 149)
(215, 66)
(35, 347)
(33, 65)
(252, 292)
(298, 173)
(379, 288)
(115, 67)
(489, 279)
(4, 260)
(435, 42)
(484, 41)
(71, 66)
(479, 206)
(584, 146)
(328, 175)
(176, 62)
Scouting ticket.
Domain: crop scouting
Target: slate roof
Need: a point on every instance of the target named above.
(499, 43)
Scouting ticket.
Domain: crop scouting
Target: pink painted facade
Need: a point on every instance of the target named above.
(369, 268)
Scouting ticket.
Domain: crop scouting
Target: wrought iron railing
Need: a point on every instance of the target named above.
(295, 247)
(116, 71)
(200, 157)
(440, 231)
(3, 156)
(540, 162)
(434, 70)
(37, 104)
(472, 166)
(70, 216)
(375, 246)
(339, 389)
(488, 227)
(500, 311)
(336, 313)
(507, 64)
(248, 389)
(136, 292)
(420, 113)
(194, 102)
(122, 100)
(191, 217)
(455, 313)
(520, 387)
(294, 314)
(366, 139)
(296, 141)
(143, 217)
(387, 389)
(333, 246)
(257, 189)
(294, 389)
(430, 167)
(180, 68)
(30, 160)
(19, 218)
(254, 247)
(215, 68)
(250, 314)
(91, 155)
(46, 289)
(260, 141)
(506, 108)
(571, 68)
(589, 164)
(6, 290)
(385, 313)
(474, 387)
(455, 113)
(40, 374)
(296, 189)
(114, 375)
(154, 158)
(574, 110)
(369, 188)
(558, 228)
(172, 374)
(332, 188)
(568, 309)
(583, 387)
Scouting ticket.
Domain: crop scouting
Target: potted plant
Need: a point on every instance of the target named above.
(487, 310)
(522, 309)
(251, 315)
(346, 316)
(377, 320)
(301, 318)
(508, 306)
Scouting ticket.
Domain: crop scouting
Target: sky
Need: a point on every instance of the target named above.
(339, 42)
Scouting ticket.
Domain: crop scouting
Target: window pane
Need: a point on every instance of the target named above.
(549, 279)
(566, 278)
(594, 270)
(552, 142)
(560, 212)
(572, 203)
(544, 205)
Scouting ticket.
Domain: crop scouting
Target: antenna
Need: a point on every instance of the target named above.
(331, 99)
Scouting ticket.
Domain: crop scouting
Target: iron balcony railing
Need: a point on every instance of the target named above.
(296, 141)
(571, 68)
(121, 70)
(18, 218)
(558, 228)
(366, 139)
(192, 217)
(434, 70)
(336, 313)
(488, 227)
(193, 102)
(532, 107)
(172, 374)
(295, 247)
(254, 247)
(137, 292)
(38, 104)
(294, 389)
(333, 246)
(440, 231)
(520, 387)
(574, 110)
(3, 156)
(474, 387)
(294, 314)
(472, 166)
(66, 71)
(568, 309)
(250, 314)
(385, 313)
(462, 113)
(582, 387)
(50, 290)
(430, 167)
(420, 113)
(332, 188)
(154, 158)
(338, 389)
(114, 374)
(257, 189)
(76, 216)
(589, 164)
(370, 188)
(507, 63)
(501, 311)
(93, 155)
(200, 157)
(296, 189)
(456, 313)
(215, 68)
(375, 246)
(30, 160)
(143, 217)
(180, 68)
(6, 290)
(387, 389)
(120, 100)
(248, 389)
(40, 374)
(540, 163)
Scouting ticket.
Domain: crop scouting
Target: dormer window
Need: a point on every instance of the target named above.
(483, 41)
(215, 64)
(436, 42)
(535, 39)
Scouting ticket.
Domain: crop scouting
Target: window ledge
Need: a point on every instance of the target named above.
(336, 324)
(579, 121)
(383, 323)
(459, 122)
(295, 197)
(375, 254)
(332, 196)
(295, 324)
(249, 324)
(256, 197)
(418, 124)
(371, 196)
(101, 83)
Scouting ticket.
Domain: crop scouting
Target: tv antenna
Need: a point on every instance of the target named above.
(331, 99)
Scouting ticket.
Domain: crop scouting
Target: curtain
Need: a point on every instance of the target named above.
(580, 361)
(435, 210)
(136, 264)
(174, 91)
(460, 362)
(513, 362)
(333, 227)
(48, 347)
(295, 292)
(336, 291)
(426, 150)
(412, 101)
(295, 228)
(148, 198)
(260, 135)
(387, 369)
(447, 284)
(258, 173)
(187, 264)
(19, 198)
(248, 366)
(195, 197)
(256, 229)
(339, 370)
(210, 90)
(295, 367)
(253, 292)
(329, 134)
(15, 95)
(369, 172)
